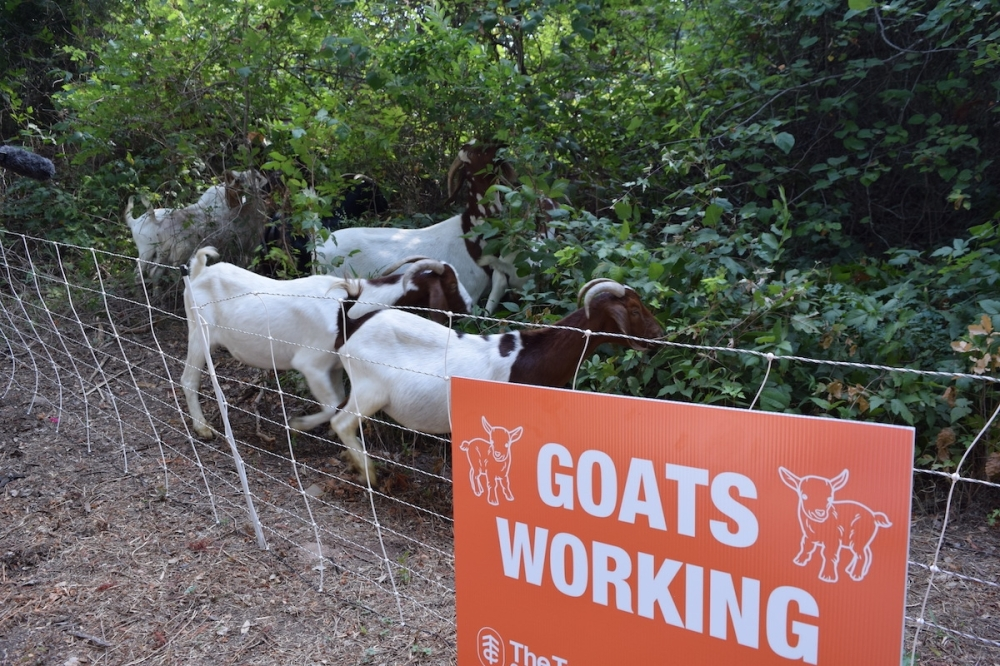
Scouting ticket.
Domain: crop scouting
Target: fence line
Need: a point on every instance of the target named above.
(112, 380)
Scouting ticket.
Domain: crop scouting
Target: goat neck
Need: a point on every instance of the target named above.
(549, 356)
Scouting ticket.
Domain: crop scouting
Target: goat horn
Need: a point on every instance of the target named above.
(419, 266)
(455, 178)
(399, 264)
(595, 287)
(357, 176)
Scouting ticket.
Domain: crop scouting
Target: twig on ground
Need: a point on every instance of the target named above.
(105, 381)
(141, 328)
(4, 480)
(99, 642)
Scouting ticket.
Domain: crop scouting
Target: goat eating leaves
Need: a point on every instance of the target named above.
(227, 214)
(366, 251)
(285, 324)
(400, 363)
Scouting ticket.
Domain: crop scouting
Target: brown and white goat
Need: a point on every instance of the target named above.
(229, 215)
(400, 363)
(363, 251)
(296, 324)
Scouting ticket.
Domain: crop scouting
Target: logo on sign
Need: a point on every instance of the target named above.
(829, 525)
(489, 461)
(490, 647)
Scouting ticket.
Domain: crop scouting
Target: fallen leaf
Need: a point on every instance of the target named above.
(944, 441)
(315, 490)
(993, 465)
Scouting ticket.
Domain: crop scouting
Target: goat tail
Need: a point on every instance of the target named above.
(881, 519)
(351, 286)
(200, 259)
(127, 215)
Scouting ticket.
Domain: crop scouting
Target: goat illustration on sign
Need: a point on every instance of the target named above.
(829, 525)
(490, 459)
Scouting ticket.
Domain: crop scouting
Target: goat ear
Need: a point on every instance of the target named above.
(359, 310)
(233, 199)
(620, 315)
(789, 479)
(486, 425)
(436, 300)
(619, 312)
(515, 434)
(840, 480)
(507, 174)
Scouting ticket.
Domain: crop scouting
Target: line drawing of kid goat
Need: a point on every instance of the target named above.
(829, 525)
(490, 458)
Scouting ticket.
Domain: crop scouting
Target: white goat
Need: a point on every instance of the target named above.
(226, 214)
(398, 362)
(284, 324)
(364, 251)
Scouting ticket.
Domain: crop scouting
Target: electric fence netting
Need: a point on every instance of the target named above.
(96, 361)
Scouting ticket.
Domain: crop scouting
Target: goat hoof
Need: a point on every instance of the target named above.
(371, 475)
(205, 433)
(300, 423)
(361, 465)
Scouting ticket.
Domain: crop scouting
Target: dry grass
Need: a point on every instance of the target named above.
(102, 566)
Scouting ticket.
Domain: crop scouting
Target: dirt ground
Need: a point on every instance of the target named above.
(114, 555)
(100, 564)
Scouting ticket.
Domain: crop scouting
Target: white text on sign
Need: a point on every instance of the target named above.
(640, 583)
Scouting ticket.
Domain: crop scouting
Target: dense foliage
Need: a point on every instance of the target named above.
(805, 178)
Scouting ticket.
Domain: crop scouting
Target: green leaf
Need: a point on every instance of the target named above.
(854, 143)
(623, 209)
(990, 306)
(712, 215)
(899, 408)
(774, 399)
(784, 141)
(947, 173)
(376, 80)
(959, 412)
(625, 230)
(859, 5)
(581, 26)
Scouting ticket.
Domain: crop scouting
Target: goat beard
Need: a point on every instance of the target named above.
(27, 164)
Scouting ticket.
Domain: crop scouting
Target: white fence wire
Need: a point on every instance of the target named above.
(103, 354)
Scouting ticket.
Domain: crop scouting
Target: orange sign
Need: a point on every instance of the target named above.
(596, 530)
